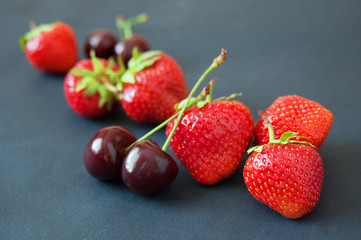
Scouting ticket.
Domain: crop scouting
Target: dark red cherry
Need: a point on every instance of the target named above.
(104, 154)
(102, 42)
(126, 46)
(147, 169)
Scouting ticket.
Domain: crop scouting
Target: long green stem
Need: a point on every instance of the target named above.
(216, 62)
(160, 126)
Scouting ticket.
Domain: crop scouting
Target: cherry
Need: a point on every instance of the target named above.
(104, 154)
(102, 42)
(125, 47)
(147, 169)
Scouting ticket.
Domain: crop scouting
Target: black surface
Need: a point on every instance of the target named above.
(311, 48)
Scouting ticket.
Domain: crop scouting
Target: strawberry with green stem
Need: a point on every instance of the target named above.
(50, 48)
(147, 168)
(86, 87)
(285, 174)
(212, 138)
(125, 46)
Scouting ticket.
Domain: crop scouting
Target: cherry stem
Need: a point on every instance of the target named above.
(269, 125)
(216, 62)
(160, 126)
(125, 25)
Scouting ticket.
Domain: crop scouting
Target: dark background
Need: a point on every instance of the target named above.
(311, 48)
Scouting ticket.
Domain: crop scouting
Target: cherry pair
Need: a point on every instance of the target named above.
(106, 45)
(145, 168)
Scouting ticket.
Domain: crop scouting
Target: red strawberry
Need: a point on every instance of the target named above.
(210, 141)
(285, 175)
(154, 83)
(85, 87)
(51, 48)
(297, 114)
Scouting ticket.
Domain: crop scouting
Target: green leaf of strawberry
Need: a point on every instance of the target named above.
(138, 62)
(93, 80)
(90, 87)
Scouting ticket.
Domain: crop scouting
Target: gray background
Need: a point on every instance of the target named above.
(311, 48)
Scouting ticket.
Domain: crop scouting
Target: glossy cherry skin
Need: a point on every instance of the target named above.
(147, 169)
(104, 154)
(126, 46)
(102, 42)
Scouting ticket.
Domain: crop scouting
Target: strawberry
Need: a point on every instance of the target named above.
(285, 174)
(296, 114)
(210, 137)
(211, 140)
(85, 87)
(51, 48)
(153, 84)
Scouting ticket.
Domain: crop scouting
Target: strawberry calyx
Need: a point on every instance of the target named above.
(125, 25)
(35, 31)
(205, 97)
(138, 62)
(100, 80)
(286, 137)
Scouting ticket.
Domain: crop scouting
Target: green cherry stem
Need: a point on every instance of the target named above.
(126, 24)
(216, 62)
(160, 126)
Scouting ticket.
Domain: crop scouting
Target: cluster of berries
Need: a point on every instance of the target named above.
(147, 86)
(209, 137)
